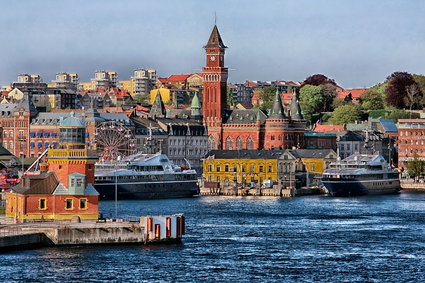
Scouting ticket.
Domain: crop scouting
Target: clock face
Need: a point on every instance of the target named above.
(212, 58)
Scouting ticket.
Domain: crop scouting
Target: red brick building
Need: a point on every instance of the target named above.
(247, 128)
(411, 140)
(15, 119)
(67, 190)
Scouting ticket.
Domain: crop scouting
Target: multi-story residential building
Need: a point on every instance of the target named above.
(31, 79)
(411, 140)
(173, 96)
(141, 83)
(54, 98)
(319, 140)
(15, 120)
(102, 79)
(44, 128)
(27, 83)
(65, 80)
(367, 142)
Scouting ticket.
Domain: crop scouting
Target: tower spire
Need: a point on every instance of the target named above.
(277, 112)
(158, 108)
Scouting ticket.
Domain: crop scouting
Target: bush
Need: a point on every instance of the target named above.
(326, 117)
(378, 113)
(395, 115)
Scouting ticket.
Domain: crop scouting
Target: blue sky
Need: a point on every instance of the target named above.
(358, 43)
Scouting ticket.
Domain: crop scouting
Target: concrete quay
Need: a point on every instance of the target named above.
(232, 191)
(149, 230)
(410, 185)
(275, 191)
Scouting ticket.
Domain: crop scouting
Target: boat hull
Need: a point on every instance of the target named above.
(351, 187)
(147, 190)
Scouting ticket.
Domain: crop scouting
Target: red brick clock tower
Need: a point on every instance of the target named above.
(214, 98)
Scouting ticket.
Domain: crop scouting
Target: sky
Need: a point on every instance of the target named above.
(357, 43)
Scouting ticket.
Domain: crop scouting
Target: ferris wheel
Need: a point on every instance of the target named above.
(114, 140)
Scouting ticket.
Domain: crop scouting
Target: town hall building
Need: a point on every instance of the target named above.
(278, 128)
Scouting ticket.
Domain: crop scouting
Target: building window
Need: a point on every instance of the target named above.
(69, 203)
(42, 204)
(249, 143)
(218, 168)
(229, 143)
(209, 168)
(269, 169)
(83, 203)
(261, 168)
(239, 143)
(226, 168)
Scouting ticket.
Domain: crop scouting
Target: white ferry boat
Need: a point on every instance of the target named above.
(144, 176)
(361, 174)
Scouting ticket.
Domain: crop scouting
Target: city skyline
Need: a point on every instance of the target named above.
(274, 41)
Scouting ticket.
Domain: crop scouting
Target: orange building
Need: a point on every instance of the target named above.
(67, 190)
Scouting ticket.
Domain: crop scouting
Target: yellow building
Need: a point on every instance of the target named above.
(165, 95)
(256, 166)
(242, 166)
(128, 86)
(315, 161)
(86, 86)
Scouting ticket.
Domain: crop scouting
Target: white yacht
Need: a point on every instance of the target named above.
(144, 176)
(361, 174)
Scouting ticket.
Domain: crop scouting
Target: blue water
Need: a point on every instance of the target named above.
(305, 239)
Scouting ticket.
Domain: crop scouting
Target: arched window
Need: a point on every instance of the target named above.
(249, 143)
(229, 143)
(239, 143)
(211, 143)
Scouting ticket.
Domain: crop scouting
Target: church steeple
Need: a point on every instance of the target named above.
(277, 112)
(158, 108)
(295, 109)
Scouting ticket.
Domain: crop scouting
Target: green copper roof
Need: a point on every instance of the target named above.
(195, 102)
(71, 121)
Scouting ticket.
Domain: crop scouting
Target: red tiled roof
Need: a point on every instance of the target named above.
(177, 78)
(142, 108)
(248, 83)
(287, 97)
(162, 80)
(355, 93)
(328, 128)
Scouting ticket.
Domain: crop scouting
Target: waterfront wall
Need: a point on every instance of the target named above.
(10, 242)
(150, 229)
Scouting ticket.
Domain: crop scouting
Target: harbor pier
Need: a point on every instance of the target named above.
(148, 230)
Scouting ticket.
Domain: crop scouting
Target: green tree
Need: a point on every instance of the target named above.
(416, 167)
(230, 101)
(420, 80)
(329, 93)
(311, 101)
(372, 100)
(337, 102)
(267, 96)
(398, 83)
(143, 99)
(345, 114)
